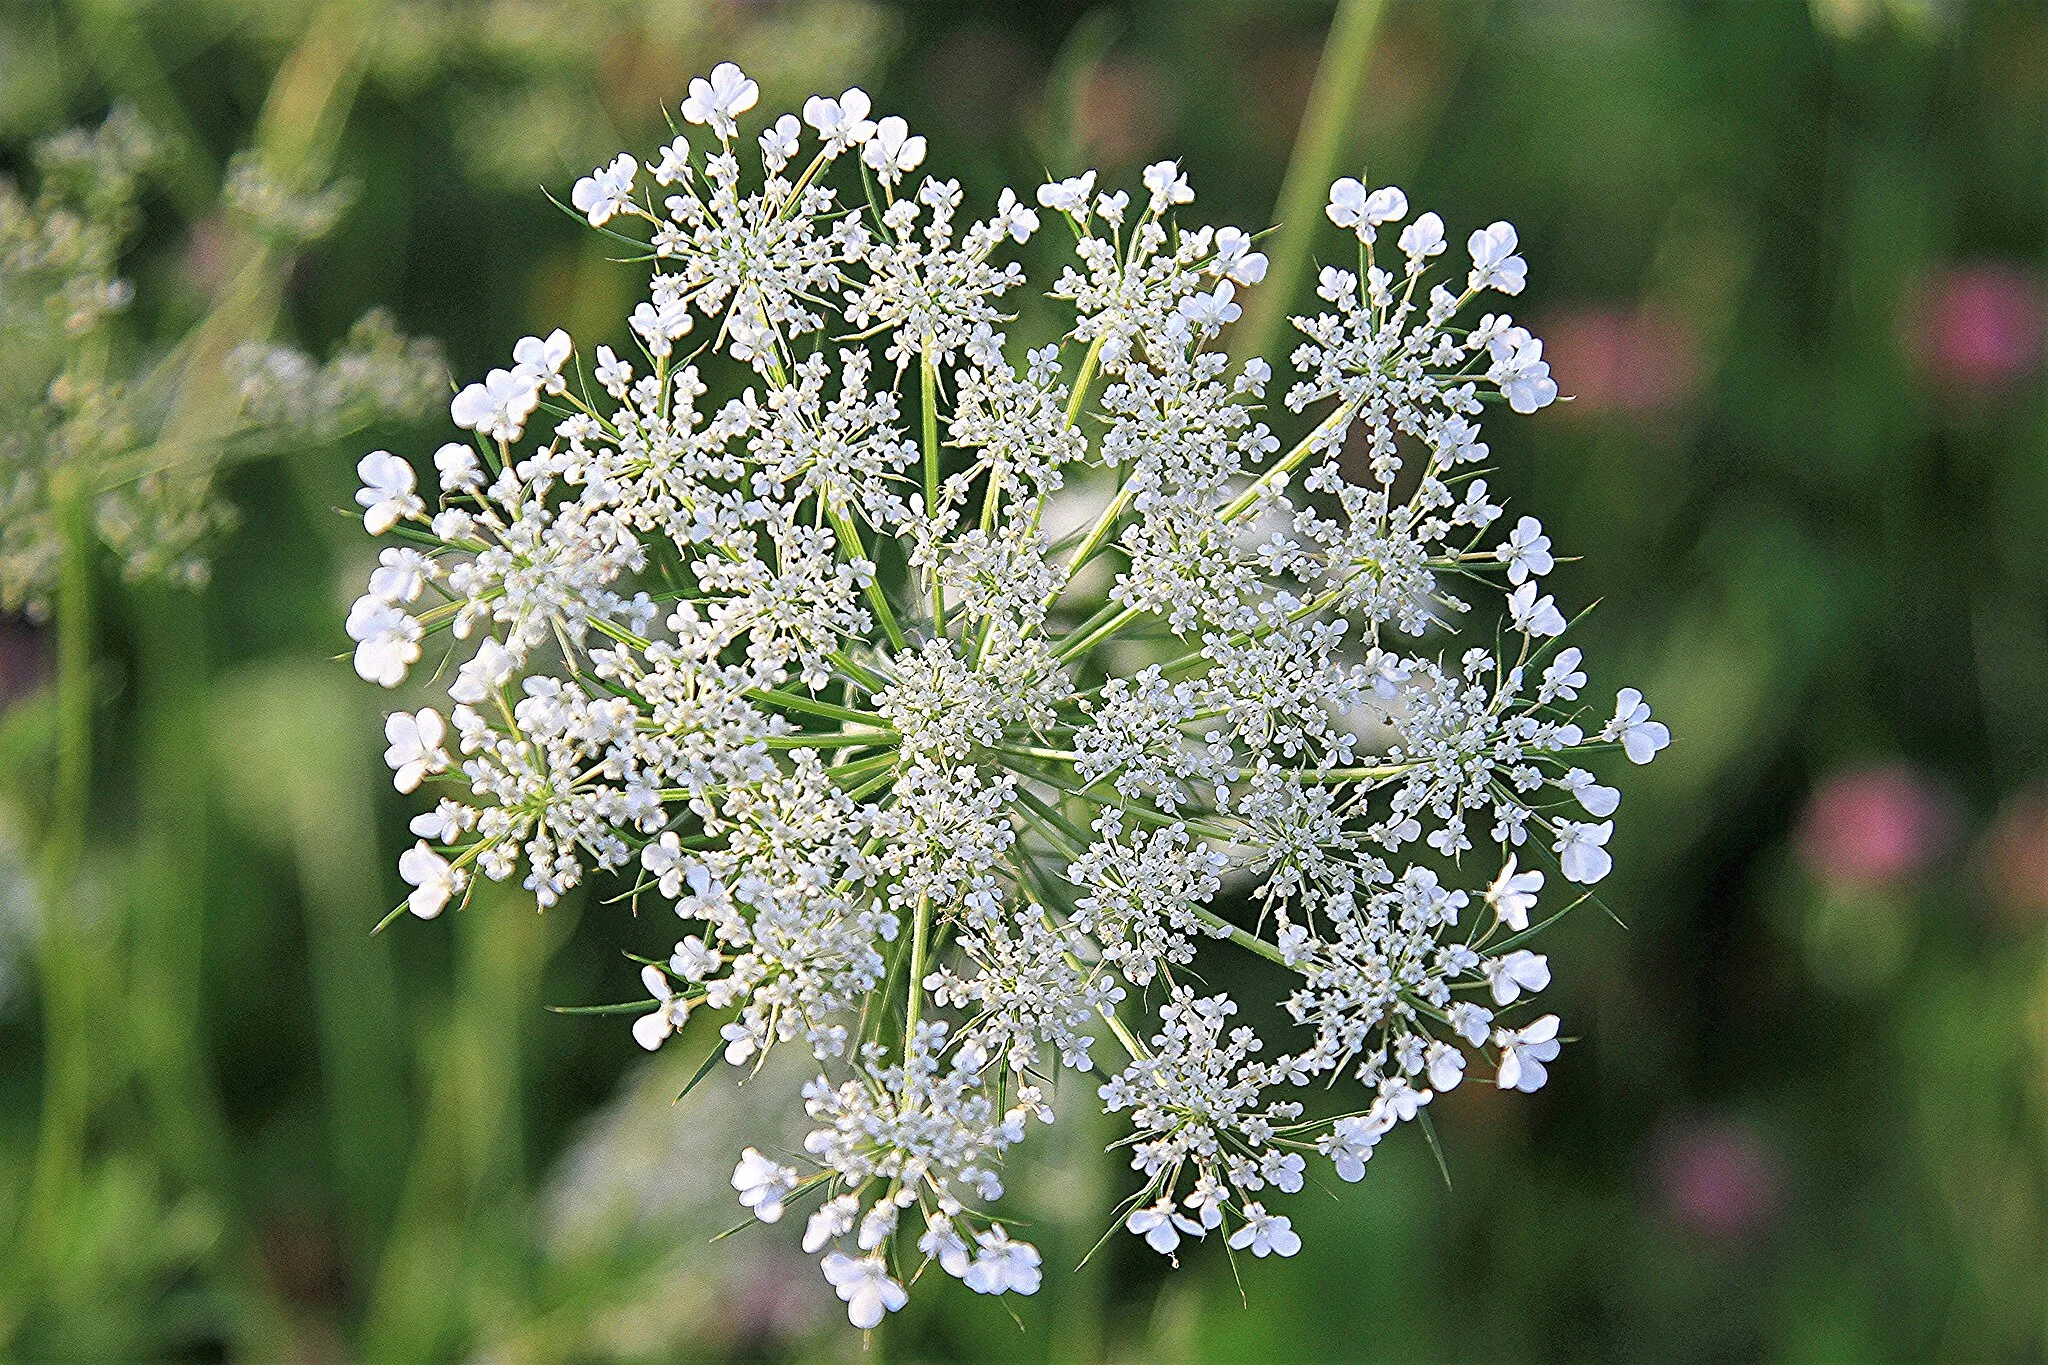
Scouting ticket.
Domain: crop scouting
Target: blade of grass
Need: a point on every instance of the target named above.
(703, 1069)
(1436, 1147)
(1318, 147)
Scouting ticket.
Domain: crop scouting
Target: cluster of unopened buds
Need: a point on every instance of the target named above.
(959, 699)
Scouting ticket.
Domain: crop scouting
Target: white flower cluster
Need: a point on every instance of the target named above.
(80, 419)
(812, 663)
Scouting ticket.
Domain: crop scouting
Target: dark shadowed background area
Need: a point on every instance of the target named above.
(1788, 262)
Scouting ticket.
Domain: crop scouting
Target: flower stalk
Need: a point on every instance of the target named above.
(66, 961)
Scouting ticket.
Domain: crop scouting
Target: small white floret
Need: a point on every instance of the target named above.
(721, 100)
(1581, 850)
(388, 494)
(433, 879)
(762, 1184)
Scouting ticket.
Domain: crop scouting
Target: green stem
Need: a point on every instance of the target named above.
(454, 1221)
(849, 535)
(862, 675)
(929, 370)
(1082, 643)
(844, 739)
(1145, 815)
(67, 966)
(860, 769)
(1083, 379)
(872, 785)
(169, 912)
(1067, 756)
(920, 934)
(1067, 840)
(1059, 831)
(1285, 465)
(1098, 532)
(1101, 626)
(1102, 613)
(1335, 775)
(1196, 658)
(1240, 937)
(811, 706)
(992, 496)
(1325, 126)
(1135, 1049)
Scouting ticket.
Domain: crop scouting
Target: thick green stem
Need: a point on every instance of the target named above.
(811, 706)
(298, 736)
(167, 914)
(1331, 776)
(357, 1020)
(66, 964)
(1103, 625)
(169, 909)
(1325, 126)
(1067, 841)
(1102, 613)
(1067, 756)
(856, 772)
(1285, 465)
(1175, 668)
(858, 672)
(1157, 819)
(1122, 498)
(1136, 1050)
(1083, 379)
(1243, 939)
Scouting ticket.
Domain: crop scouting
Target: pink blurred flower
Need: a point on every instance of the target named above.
(1121, 116)
(2016, 859)
(1272, 86)
(771, 1304)
(1613, 360)
(1272, 73)
(1874, 826)
(1975, 328)
(1717, 1177)
(206, 257)
(24, 659)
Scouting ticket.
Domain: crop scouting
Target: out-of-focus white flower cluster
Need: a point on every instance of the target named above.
(376, 372)
(812, 666)
(271, 206)
(80, 402)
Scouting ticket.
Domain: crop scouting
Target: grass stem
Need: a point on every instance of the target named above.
(1319, 146)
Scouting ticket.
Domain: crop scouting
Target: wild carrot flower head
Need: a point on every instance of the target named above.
(958, 697)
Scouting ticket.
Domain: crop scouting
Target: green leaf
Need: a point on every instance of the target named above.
(1436, 1147)
(710, 1060)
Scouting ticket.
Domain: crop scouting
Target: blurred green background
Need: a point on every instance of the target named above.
(1788, 260)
